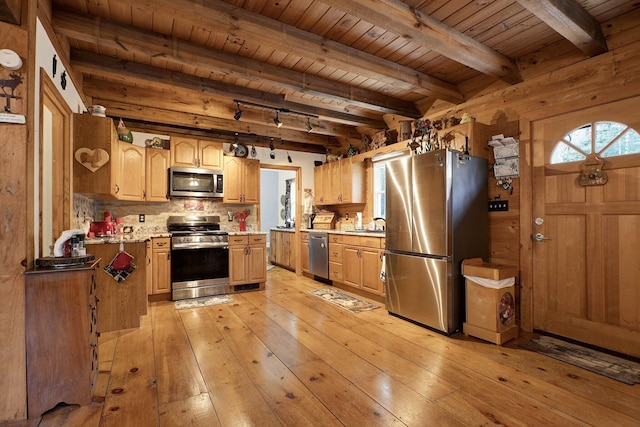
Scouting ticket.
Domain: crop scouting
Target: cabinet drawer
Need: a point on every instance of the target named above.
(351, 240)
(161, 242)
(335, 252)
(238, 240)
(370, 242)
(257, 239)
(335, 238)
(335, 271)
(304, 236)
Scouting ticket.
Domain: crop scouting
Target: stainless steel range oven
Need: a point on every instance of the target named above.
(199, 257)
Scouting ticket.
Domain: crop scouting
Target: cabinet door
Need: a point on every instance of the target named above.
(237, 265)
(371, 266)
(184, 152)
(131, 172)
(318, 184)
(94, 138)
(232, 179)
(304, 252)
(284, 244)
(334, 194)
(257, 263)
(156, 174)
(210, 154)
(292, 250)
(161, 266)
(351, 258)
(273, 245)
(251, 184)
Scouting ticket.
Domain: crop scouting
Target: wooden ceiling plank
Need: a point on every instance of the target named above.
(133, 72)
(244, 24)
(421, 28)
(196, 121)
(572, 21)
(116, 36)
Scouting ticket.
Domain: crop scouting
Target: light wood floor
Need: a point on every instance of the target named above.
(285, 357)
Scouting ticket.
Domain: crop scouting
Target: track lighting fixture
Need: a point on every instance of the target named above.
(278, 110)
(238, 113)
(276, 119)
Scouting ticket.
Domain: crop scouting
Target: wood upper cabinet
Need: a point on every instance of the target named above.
(196, 153)
(241, 180)
(107, 168)
(339, 182)
(96, 157)
(131, 172)
(477, 133)
(157, 175)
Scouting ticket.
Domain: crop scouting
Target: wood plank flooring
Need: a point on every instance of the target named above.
(283, 357)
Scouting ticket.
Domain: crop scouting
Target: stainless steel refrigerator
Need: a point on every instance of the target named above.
(436, 216)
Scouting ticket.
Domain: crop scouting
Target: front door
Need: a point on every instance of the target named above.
(586, 249)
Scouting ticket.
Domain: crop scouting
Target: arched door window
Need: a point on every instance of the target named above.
(603, 139)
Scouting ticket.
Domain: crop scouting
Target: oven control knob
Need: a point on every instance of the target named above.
(201, 239)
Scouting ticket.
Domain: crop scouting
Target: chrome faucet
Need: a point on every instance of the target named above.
(379, 218)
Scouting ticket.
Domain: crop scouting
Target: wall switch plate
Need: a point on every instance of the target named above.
(140, 217)
(498, 205)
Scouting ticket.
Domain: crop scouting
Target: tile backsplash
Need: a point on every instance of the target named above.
(156, 214)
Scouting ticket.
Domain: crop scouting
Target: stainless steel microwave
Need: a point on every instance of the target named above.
(194, 182)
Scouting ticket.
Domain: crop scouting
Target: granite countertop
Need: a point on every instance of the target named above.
(126, 238)
(377, 233)
(246, 233)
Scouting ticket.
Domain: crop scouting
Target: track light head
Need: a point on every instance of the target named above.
(309, 127)
(238, 113)
(276, 120)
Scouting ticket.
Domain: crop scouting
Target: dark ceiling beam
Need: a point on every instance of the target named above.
(418, 27)
(223, 136)
(140, 42)
(239, 23)
(572, 21)
(131, 72)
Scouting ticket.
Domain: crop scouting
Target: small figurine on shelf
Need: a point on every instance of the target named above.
(242, 219)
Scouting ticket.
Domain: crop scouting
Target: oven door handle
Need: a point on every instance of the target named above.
(186, 246)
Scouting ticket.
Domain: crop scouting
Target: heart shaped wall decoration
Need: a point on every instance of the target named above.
(92, 159)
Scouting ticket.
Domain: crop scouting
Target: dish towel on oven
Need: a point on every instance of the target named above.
(383, 274)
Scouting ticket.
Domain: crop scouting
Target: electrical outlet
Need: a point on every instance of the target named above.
(140, 217)
(498, 205)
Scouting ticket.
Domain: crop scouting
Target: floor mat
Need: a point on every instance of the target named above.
(601, 363)
(342, 300)
(202, 302)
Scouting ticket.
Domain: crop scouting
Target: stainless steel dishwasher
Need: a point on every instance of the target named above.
(319, 254)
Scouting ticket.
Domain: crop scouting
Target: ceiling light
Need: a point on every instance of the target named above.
(276, 120)
(309, 127)
(238, 113)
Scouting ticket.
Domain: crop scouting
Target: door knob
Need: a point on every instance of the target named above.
(540, 237)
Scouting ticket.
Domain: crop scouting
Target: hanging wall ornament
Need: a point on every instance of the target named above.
(591, 172)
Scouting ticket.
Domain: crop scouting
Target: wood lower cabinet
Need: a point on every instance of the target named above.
(247, 262)
(61, 320)
(283, 251)
(363, 256)
(335, 257)
(121, 303)
(304, 251)
(161, 265)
